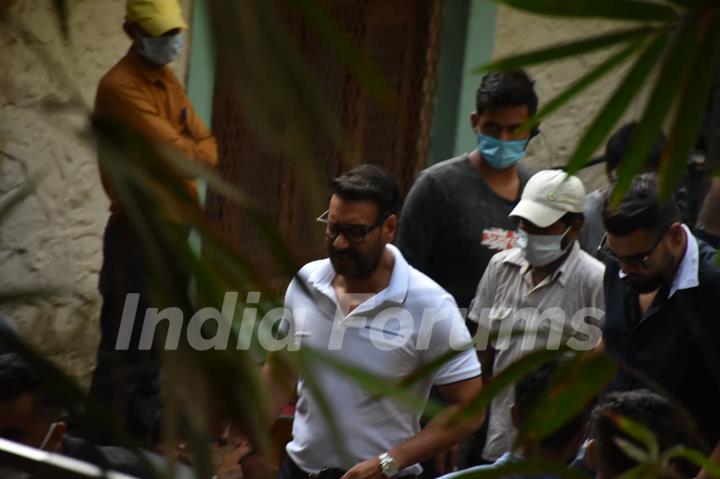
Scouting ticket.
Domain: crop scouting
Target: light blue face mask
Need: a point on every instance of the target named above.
(162, 50)
(499, 153)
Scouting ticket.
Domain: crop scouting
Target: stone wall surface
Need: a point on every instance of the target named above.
(54, 237)
(518, 32)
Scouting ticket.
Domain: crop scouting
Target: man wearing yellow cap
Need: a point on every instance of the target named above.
(142, 94)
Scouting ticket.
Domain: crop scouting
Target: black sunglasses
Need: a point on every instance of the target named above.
(636, 260)
(353, 233)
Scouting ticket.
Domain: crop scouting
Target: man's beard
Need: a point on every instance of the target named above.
(353, 265)
(647, 285)
(652, 283)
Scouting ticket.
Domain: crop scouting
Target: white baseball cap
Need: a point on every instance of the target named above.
(548, 195)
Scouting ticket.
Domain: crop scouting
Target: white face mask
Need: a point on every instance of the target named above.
(162, 50)
(541, 250)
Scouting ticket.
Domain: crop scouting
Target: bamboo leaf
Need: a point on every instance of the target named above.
(640, 433)
(691, 106)
(582, 83)
(572, 388)
(616, 105)
(508, 376)
(694, 456)
(565, 50)
(634, 452)
(673, 74)
(612, 9)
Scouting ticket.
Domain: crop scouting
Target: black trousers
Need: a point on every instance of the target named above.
(127, 382)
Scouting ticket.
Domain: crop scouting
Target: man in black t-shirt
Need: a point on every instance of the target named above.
(455, 217)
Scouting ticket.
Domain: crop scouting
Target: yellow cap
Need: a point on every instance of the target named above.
(156, 17)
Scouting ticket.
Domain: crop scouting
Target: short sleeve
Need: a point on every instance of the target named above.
(450, 336)
(418, 222)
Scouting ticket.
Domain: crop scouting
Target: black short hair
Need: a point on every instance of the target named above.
(571, 217)
(640, 209)
(16, 377)
(369, 183)
(619, 142)
(530, 389)
(644, 407)
(506, 88)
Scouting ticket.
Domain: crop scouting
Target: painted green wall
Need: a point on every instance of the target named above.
(201, 69)
(467, 41)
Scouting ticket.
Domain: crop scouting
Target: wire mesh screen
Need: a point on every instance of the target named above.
(399, 38)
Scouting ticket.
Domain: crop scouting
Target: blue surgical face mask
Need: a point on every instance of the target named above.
(162, 50)
(500, 153)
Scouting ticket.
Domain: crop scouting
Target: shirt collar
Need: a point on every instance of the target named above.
(152, 74)
(686, 276)
(517, 258)
(396, 291)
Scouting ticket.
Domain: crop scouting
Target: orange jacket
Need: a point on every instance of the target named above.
(151, 101)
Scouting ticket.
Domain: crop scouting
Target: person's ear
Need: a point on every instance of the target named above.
(390, 228)
(676, 233)
(474, 120)
(514, 416)
(591, 456)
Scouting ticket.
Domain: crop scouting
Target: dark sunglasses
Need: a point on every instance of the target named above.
(353, 233)
(636, 260)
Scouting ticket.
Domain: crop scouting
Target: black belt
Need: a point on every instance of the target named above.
(295, 472)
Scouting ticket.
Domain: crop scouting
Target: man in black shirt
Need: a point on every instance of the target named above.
(662, 297)
(455, 217)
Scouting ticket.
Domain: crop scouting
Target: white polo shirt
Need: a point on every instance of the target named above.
(391, 334)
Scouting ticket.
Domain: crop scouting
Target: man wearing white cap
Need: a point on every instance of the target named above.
(140, 93)
(543, 294)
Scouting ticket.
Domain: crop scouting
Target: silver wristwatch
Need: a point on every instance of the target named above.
(388, 464)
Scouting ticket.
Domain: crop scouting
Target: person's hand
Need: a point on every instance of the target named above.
(448, 461)
(255, 466)
(369, 469)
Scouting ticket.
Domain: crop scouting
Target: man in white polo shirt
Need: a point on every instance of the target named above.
(366, 307)
(546, 293)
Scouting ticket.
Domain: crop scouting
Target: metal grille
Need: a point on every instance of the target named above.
(401, 39)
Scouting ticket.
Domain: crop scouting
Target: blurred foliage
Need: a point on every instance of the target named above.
(671, 47)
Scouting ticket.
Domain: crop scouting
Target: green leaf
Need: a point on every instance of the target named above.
(509, 376)
(694, 456)
(633, 451)
(582, 83)
(640, 433)
(673, 74)
(691, 106)
(573, 386)
(564, 50)
(616, 105)
(613, 9)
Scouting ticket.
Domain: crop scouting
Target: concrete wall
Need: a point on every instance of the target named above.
(517, 32)
(55, 236)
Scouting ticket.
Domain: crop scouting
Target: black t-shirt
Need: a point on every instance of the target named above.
(674, 344)
(453, 223)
